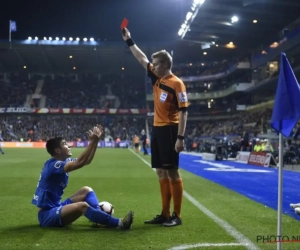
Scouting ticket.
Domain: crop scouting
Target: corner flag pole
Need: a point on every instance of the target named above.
(285, 115)
(9, 33)
(9, 30)
(279, 206)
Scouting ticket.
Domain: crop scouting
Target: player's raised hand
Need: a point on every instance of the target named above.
(93, 133)
(89, 134)
(125, 34)
(97, 131)
(100, 129)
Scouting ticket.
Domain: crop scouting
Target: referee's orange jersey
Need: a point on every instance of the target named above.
(169, 97)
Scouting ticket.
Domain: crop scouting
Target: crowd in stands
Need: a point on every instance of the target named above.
(268, 71)
(13, 92)
(130, 90)
(91, 92)
(72, 128)
(202, 69)
(107, 91)
(247, 131)
(214, 83)
(42, 127)
(65, 92)
(123, 91)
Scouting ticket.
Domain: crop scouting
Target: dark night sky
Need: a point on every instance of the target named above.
(148, 19)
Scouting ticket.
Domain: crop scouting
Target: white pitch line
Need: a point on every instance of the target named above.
(183, 247)
(242, 239)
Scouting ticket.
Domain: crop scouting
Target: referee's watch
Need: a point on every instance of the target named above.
(180, 137)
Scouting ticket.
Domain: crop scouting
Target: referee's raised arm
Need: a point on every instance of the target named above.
(138, 54)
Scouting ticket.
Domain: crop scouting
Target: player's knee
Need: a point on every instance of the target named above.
(173, 174)
(82, 206)
(86, 189)
(161, 173)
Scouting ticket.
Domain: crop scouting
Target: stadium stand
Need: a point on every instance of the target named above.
(13, 92)
(229, 99)
(73, 128)
(113, 91)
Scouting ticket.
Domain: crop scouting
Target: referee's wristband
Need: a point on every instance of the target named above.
(130, 42)
(180, 137)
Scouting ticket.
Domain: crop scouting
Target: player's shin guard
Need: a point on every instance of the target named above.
(92, 200)
(100, 217)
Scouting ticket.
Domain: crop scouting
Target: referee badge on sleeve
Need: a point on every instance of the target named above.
(182, 97)
(163, 97)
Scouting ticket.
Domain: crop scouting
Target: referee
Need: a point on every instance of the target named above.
(170, 116)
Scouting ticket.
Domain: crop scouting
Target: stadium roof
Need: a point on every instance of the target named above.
(51, 58)
(100, 58)
(97, 57)
(256, 22)
(211, 26)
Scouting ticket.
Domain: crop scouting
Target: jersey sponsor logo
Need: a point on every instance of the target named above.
(35, 197)
(58, 164)
(182, 97)
(163, 96)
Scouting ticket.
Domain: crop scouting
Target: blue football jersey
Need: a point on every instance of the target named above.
(50, 188)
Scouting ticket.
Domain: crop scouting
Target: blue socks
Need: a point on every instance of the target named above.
(96, 215)
(92, 200)
(100, 217)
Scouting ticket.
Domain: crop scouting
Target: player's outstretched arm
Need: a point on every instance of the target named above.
(84, 157)
(91, 157)
(138, 54)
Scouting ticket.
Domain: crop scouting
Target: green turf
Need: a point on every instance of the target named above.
(120, 177)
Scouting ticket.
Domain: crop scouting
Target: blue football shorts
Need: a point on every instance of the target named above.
(51, 217)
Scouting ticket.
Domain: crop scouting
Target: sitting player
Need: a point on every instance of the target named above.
(54, 179)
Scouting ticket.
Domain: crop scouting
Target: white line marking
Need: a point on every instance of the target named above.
(242, 239)
(182, 247)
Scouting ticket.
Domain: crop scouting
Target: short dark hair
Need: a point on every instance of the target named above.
(53, 144)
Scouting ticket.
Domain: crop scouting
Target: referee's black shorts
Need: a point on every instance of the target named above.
(163, 154)
(136, 145)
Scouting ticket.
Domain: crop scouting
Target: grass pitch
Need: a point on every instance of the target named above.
(125, 180)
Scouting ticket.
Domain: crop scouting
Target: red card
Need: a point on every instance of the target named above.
(124, 23)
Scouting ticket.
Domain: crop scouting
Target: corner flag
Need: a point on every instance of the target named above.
(12, 26)
(286, 111)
